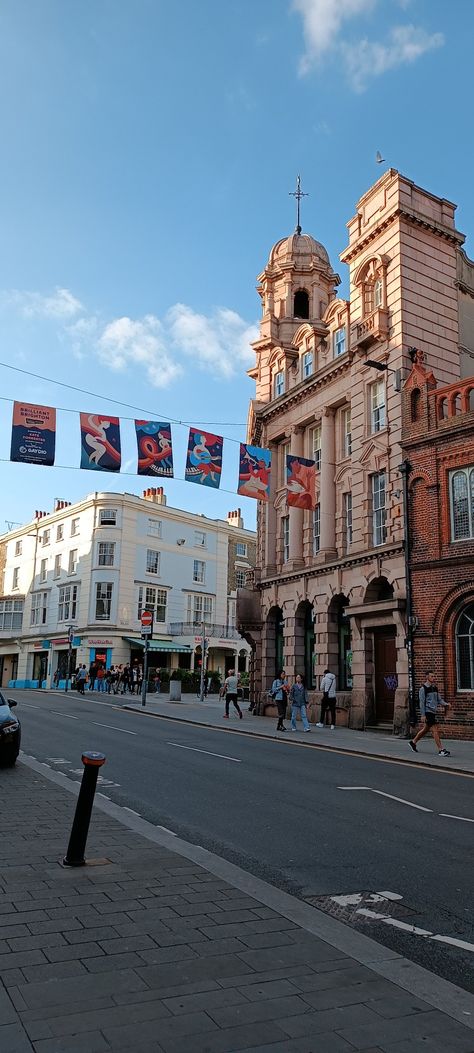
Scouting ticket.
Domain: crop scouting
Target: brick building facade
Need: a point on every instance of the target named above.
(329, 587)
(438, 441)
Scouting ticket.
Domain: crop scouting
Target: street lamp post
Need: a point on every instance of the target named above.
(70, 635)
(203, 661)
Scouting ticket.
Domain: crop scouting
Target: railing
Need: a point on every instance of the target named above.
(372, 327)
(224, 632)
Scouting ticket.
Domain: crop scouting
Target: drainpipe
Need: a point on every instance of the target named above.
(405, 469)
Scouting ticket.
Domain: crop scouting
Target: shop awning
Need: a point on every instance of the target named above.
(159, 645)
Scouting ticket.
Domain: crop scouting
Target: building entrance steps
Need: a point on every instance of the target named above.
(166, 948)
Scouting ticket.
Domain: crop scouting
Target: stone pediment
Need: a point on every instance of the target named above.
(374, 456)
(344, 474)
(420, 378)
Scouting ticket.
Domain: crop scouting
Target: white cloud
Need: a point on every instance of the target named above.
(219, 343)
(61, 305)
(126, 342)
(323, 24)
(368, 59)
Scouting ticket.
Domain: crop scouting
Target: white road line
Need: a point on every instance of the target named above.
(112, 726)
(58, 713)
(454, 942)
(445, 815)
(354, 787)
(373, 914)
(401, 800)
(207, 752)
(29, 706)
(390, 895)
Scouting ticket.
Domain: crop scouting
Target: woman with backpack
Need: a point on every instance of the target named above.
(328, 701)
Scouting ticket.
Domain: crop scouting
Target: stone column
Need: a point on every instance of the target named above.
(327, 483)
(296, 514)
(271, 517)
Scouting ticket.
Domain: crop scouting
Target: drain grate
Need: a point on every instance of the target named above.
(359, 906)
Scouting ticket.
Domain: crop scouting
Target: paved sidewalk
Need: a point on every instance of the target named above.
(368, 743)
(154, 951)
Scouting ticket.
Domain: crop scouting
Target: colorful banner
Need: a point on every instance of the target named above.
(300, 482)
(155, 451)
(204, 459)
(33, 434)
(255, 467)
(100, 442)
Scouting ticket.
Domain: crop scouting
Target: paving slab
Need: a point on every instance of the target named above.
(169, 949)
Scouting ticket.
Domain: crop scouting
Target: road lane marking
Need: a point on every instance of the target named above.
(112, 726)
(28, 705)
(58, 760)
(59, 713)
(445, 815)
(354, 787)
(453, 942)
(222, 756)
(401, 800)
(412, 929)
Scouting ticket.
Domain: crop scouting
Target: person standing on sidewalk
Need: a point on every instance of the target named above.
(328, 701)
(430, 699)
(299, 699)
(81, 677)
(279, 693)
(231, 684)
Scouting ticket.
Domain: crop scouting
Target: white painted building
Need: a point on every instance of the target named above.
(96, 564)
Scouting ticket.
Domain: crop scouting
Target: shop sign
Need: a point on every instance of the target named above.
(99, 641)
(64, 642)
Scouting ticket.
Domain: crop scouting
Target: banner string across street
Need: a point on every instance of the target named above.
(33, 441)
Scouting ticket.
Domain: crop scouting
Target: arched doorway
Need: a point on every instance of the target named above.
(304, 643)
(384, 654)
(275, 626)
(339, 642)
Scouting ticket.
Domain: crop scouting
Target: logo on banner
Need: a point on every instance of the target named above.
(204, 459)
(100, 442)
(33, 434)
(155, 451)
(300, 482)
(254, 472)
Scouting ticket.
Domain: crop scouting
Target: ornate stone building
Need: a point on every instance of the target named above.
(329, 588)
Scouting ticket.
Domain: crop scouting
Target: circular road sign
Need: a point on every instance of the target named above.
(147, 617)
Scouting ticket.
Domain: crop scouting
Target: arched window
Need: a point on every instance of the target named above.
(462, 504)
(465, 649)
(378, 293)
(301, 304)
(415, 404)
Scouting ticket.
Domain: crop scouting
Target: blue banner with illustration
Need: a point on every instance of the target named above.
(33, 434)
(155, 450)
(255, 467)
(100, 442)
(204, 459)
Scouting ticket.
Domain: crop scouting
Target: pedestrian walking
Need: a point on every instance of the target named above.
(328, 701)
(92, 676)
(231, 684)
(430, 699)
(279, 693)
(81, 678)
(299, 699)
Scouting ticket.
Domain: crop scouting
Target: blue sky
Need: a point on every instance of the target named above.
(148, 152)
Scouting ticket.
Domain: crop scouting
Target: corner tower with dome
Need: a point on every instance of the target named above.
(329, 588)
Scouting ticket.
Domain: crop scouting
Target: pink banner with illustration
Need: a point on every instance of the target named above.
(100, 442)
(255, 467)
(155, 451)
(300, 482)
(33, 434)
(204, 459)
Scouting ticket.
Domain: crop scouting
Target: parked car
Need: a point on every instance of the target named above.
(10, 732)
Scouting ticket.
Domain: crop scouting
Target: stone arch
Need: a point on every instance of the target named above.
(274, 626)
(304, 642)
(378, 588)
(301, 303)
(339, 640)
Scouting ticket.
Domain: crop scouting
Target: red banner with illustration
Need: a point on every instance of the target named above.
(255, 465)
(100, 442)
(300, 482)
(33, 434)
(204, 458)
(155, 448)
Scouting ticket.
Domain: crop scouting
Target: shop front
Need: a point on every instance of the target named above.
(161, 654)
(8, 668)
(100, 651)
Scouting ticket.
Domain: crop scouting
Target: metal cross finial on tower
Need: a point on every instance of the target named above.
(298, 194)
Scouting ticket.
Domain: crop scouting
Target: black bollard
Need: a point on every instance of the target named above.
(82, 817)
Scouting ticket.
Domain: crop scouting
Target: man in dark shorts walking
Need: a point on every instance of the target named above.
(230, 690)
(430, 699)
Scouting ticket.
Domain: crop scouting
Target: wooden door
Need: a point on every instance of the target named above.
(385, 660)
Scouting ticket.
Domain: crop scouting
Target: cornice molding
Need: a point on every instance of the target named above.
(400, 213)
(331, 568)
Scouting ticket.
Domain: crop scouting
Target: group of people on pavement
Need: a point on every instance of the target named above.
(282, 692)
(120, 679)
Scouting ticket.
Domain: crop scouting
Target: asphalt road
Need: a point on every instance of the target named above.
(317, 824)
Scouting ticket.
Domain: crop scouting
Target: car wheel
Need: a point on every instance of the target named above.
(8, 760)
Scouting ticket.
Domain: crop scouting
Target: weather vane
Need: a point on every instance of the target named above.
(298, 194)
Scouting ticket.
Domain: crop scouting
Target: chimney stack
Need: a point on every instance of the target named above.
(155, 494)
(235, 519)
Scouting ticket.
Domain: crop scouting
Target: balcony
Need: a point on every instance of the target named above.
(224, 632)
(370, 329)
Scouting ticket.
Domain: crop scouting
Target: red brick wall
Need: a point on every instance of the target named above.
(442, 571)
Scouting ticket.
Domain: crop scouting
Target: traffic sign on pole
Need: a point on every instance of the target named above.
(147, 624)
